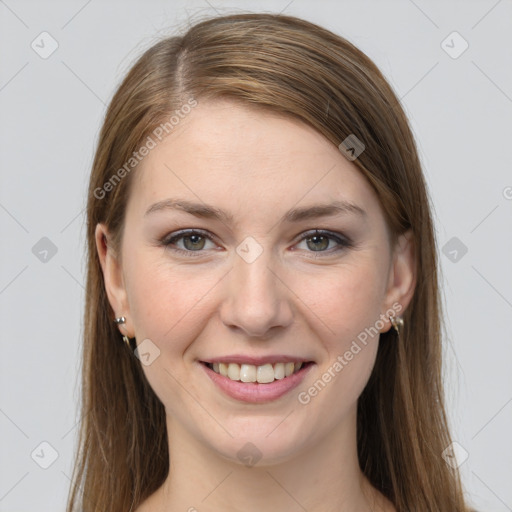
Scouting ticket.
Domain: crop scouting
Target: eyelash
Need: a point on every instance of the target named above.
(343, 241)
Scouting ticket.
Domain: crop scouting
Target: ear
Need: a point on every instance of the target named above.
(402, 278)
(113, 278)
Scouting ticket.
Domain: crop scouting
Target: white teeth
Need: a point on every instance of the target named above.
(234, 371)
(263, 374)
(247, 373)
(279, 371)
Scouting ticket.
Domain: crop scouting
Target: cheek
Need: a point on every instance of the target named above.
(169, 306)
(343, 306)
(346, 300)
(348, 303)
(168, 302)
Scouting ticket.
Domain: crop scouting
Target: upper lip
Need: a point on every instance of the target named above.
(256, 361)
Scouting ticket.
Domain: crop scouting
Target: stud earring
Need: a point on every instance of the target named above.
(397, 322)
(122, 320)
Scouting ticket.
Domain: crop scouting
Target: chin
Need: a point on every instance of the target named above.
(264, 441)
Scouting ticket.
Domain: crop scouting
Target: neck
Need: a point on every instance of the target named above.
(323, 477)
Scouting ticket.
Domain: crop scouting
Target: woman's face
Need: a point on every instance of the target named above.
(264, 291)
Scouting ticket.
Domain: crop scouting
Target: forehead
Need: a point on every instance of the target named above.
(241, 158)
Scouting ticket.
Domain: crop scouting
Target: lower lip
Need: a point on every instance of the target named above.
(254, 392)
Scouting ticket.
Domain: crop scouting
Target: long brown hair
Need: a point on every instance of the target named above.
(281, 64)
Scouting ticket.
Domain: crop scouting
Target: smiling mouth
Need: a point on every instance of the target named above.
(263, 374)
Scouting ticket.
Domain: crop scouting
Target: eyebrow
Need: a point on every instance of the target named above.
(203, 210)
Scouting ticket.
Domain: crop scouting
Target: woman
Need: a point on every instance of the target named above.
(262, 322)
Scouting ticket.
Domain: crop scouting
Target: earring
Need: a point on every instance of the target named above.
(397, 322)
(127, 341)
(121, 320)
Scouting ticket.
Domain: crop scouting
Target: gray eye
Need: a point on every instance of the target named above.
(195, 242)
(318, 242)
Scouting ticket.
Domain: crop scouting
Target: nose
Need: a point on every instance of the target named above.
(257, 299)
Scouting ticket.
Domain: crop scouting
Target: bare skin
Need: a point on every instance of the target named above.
(303, 297)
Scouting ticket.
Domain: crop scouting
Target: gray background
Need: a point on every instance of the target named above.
(51, 110)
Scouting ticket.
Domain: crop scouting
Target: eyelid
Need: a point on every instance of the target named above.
(187, 232)
(323, 232)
